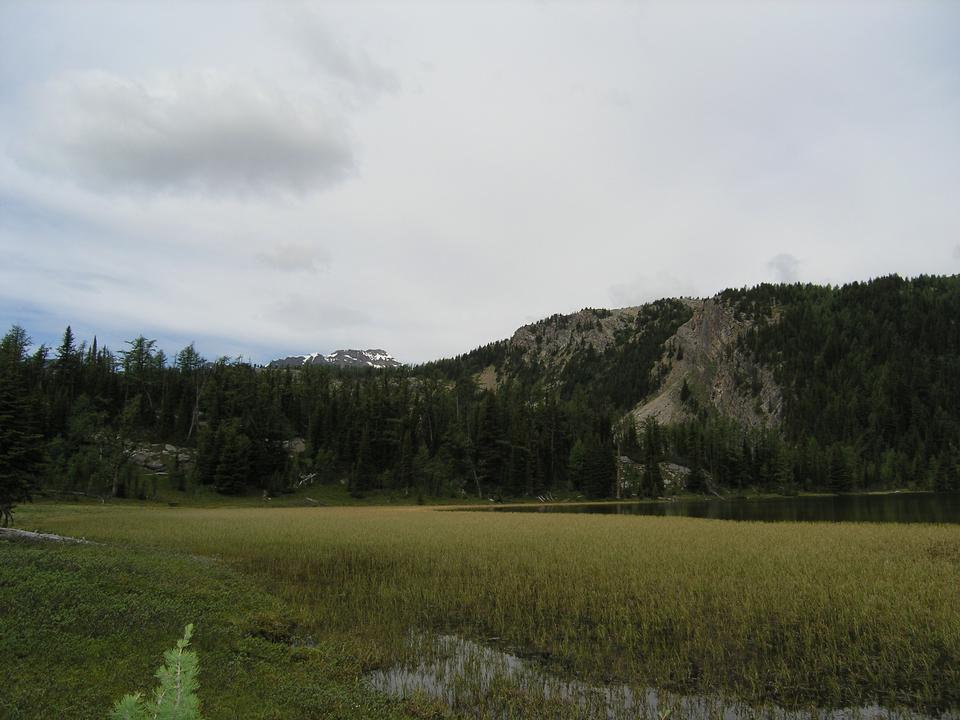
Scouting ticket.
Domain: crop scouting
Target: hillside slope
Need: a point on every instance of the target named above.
(640, 358)
(706, 355)
(798, 385)
(776, 387)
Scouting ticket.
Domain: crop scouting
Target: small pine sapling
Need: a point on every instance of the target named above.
(175, 698)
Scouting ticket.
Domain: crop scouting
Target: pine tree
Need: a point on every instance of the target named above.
(175, 698)
(577, 464)
(599, 469)
(362, 470)
(652, 452)
(696, 481)
(841, 475)
(491, 441)
(190, 363)
(233, 464)
(20, 445)
(67, 352)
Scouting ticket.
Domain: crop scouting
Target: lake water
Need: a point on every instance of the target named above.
(901, 507)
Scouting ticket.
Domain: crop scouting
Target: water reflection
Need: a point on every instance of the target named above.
(888, 507)
(480, 680)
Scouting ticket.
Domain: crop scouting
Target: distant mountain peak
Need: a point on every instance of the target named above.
(373, 357)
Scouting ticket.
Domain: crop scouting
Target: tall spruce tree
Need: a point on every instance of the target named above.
(20, 444)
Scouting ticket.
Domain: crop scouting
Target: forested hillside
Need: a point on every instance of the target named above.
(868, 373)
(871, 370)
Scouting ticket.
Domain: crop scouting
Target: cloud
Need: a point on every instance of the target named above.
(534, 159)
(956, 251)
(98, 282)
(646, 288)
(350, 65)
(292, 258)
(785, 267)
(315, 319)
(190, 130)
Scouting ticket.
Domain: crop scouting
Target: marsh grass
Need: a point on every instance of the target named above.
(480, 681)
(803, 615)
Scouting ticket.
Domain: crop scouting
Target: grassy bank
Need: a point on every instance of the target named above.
(82, 625)
(801, 614)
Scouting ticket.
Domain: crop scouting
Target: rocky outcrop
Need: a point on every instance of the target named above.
(488, 379)
(157, 458)
(552, 342)
(295, 446)
(704, 352)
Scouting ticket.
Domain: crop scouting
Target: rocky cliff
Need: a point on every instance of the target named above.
(673, 344)
(718, 373)
(553, 342)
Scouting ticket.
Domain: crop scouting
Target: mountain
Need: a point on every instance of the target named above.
(373, 357)
(802, 385)
(775, 387)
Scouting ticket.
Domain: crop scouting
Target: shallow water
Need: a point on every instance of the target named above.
(888, 507)
(468, 676)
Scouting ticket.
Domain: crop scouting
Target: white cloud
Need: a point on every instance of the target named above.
(291, 258)
(191, 130)
(351, 65)
(785, 268)
(467, 166)
(647, 288)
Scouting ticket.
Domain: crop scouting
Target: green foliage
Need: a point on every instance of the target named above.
(599, 469)
(818, 615)
(19, 443)
(696, 482)
(871, 367)
(175, 698)
(592, 467)
(233, 465)
(620, 377)
(870, 374)
(84, 624)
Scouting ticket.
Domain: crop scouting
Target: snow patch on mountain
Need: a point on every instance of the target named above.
(373, 357)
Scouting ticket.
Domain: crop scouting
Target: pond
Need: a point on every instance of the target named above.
(899, 507)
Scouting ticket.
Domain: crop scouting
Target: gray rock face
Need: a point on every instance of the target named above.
(373, 357)
(704, 353)
(552, 342)
(154, 458)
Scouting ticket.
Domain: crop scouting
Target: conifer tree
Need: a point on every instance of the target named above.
(233, 465)
(599, 469)
(175, 698)
(696, 482)
(20, 448)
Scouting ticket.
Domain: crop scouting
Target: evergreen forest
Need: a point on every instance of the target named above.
(870, 374)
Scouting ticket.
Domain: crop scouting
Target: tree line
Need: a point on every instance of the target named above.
(74, 415)
(870, 374)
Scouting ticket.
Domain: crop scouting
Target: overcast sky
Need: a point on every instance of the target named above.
(283, 178)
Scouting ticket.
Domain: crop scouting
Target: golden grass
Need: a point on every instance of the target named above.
(831, 614)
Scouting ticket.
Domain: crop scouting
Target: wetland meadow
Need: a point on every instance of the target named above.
(335, 333)
(493, 615)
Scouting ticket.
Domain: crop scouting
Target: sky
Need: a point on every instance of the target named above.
(268, 179)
